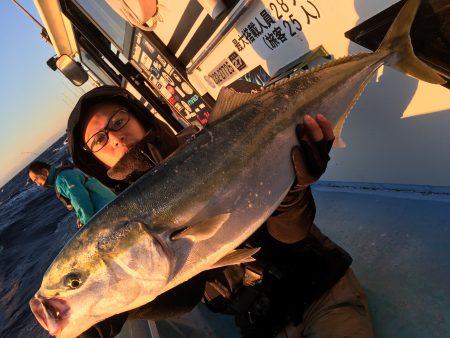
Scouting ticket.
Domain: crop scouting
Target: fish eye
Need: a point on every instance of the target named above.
(72, 280)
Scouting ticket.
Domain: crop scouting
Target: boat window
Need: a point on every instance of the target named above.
(98, 71)
(106, 20)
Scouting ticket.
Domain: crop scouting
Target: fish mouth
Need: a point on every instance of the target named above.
(52, 313)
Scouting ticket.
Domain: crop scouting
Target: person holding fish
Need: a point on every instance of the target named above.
(301, 283)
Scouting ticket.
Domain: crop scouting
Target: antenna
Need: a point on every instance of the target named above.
(44, 33)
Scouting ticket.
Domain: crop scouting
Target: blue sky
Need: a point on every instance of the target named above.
(36, 101)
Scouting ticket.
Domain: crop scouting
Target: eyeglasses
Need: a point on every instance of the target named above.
(116, 122)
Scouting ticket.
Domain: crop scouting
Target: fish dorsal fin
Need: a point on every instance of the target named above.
(315, 69)
(227, 101)
(237, 256)
(201, 230)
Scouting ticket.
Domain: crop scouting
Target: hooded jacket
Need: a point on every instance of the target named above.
(158, 133)
(86, 194)
(185, 296)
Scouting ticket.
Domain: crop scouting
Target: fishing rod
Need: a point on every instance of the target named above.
(44, 33)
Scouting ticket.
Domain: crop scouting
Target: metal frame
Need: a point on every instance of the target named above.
(102, 46)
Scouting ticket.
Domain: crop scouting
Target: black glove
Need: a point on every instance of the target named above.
(292, 220)
(309, 158)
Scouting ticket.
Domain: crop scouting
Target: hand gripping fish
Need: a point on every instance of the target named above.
(190, 213)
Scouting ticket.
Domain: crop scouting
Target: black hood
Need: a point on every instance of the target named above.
(164, 140)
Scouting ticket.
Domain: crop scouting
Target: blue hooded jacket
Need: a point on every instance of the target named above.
(86, 194)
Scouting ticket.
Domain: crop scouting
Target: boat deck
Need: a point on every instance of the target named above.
(399, 238)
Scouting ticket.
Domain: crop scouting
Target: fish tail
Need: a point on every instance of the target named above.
(398, 41)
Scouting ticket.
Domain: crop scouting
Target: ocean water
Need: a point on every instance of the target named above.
(34, 226)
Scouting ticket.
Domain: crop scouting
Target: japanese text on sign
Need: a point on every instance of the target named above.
(275, 33)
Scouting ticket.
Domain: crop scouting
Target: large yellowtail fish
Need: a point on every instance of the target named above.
(191, 212)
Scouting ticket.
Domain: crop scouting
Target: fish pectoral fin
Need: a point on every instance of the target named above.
(202, 230)
(237, 256)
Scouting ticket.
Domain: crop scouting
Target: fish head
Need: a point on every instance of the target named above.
(101, 272)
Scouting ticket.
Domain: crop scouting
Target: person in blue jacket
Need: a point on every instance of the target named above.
(76, 190)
